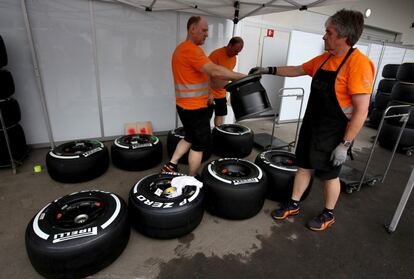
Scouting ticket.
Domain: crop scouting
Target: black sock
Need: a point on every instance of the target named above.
(295, 203)
(173, 165)
(330, 211)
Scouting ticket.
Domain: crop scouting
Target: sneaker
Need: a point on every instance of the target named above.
(286, 210)
(322, 221)
(169, 168)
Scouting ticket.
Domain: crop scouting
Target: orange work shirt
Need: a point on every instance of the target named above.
(355, 77)
(219, 57)
(191, 85)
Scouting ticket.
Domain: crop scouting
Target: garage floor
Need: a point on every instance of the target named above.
(356, 246)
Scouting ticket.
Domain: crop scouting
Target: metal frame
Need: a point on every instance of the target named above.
(401, 205)
(405, 117)
(281, 96)
(6, 136)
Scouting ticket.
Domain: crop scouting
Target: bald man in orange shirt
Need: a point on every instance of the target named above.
(226, 57)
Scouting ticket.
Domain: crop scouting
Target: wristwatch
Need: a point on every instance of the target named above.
(347, 143)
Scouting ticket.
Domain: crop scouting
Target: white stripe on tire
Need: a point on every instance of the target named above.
(36, 227)
(117, 210)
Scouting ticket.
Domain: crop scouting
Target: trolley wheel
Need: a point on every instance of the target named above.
(349, 190)
(409, 153)
(372, 182)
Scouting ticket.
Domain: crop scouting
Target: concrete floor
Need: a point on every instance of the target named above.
(356, 246)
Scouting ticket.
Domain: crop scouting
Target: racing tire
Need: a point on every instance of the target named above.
(375, 118)
(397, 121)
(235, 188)
(389, 135)
(173, 138)
(6, 84)
(17, 141)
(381, 100)
(232, 140)
(77, 161)
(403, 92)
(406, 72)
(3, 53)
(155, 215)
(136, 152)
(280, 168)
(78, 234)
(10, 110)
(385, 85)
(390, 71)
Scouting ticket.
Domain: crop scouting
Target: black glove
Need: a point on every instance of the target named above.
(263, 71)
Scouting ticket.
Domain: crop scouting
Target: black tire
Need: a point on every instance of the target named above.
(232, 140)
(235, 188)
(280, 168)
(406, 72)
(136, 152)
(385, 85)
(78, 234)
(157, 216)
(10, 111)
(3, 53)
(6, 84)
(403, 92)
(375, 118)
(381, 100)
(400, 110)
(389, 135)
(173, 138)
(77, 161)
(390, 71)
(17, 141)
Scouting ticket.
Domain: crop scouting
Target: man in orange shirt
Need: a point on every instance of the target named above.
(226, 57)
(342, 79)
(191, 69)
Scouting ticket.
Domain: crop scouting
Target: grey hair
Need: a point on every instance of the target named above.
(348, 23)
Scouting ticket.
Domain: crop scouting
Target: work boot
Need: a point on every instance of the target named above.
(289, 208)
(322, 221)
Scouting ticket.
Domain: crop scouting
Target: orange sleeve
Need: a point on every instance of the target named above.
(361, 76)
(310, 67)
(197, 57)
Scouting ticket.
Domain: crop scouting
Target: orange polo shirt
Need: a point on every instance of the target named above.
(219, 57)
(355, 77)
(191, 85)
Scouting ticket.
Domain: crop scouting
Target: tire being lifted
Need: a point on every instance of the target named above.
(232, 140)
(77, 161)
(235, 188)
(78, 234)
(280, 168)
(155, 215)
(136, 152)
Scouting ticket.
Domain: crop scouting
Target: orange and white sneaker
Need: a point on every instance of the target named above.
(287, 209)
(322, 221)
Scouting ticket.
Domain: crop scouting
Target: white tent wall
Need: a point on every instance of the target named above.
(96, 56)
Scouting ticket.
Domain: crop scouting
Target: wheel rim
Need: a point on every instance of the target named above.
(79, 213)
(283, 160)
(234, 170)
(136, 139)
(76, 148)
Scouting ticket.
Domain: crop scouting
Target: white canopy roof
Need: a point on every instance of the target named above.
(234, 10)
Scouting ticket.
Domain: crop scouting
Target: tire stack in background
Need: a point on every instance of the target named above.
(402, 94)
(383, 96)
(11, 133)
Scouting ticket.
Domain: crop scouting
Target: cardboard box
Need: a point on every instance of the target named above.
(144, 127)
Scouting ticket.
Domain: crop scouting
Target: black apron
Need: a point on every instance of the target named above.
(324, 123)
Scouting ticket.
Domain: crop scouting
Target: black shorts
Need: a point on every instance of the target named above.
(196, 125)
(309, 157)
(220, 107)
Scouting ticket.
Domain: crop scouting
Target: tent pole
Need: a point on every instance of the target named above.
(95, 60)
(37, 74)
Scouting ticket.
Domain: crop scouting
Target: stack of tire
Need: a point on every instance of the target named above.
(232, 140)
(11, 133)
(383, 95)
(402, 94)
